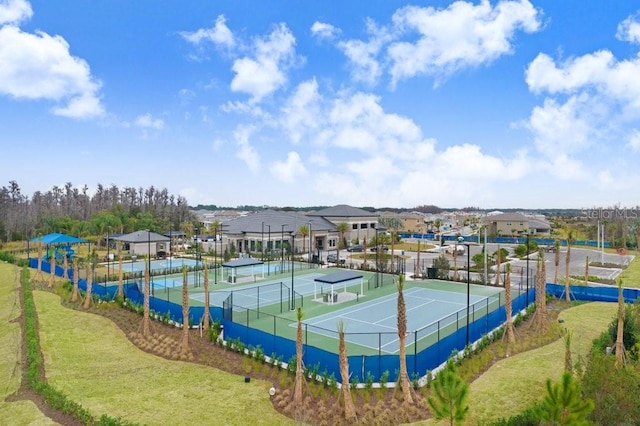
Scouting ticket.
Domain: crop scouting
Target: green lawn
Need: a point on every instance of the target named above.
(88, 358)
(18, 412)
(515, 383)
(631, 276)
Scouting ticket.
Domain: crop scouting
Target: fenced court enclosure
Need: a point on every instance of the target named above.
(262, 313)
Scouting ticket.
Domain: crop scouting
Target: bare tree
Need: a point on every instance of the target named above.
(299, 381)
(619, 348)
(403, 377)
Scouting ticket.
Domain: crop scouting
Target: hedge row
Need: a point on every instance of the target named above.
(35, 364)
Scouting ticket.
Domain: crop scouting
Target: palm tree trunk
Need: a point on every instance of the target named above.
(349, 407)
(76, 278)
(146, 325)
(299, 381)
(205, 321)
(620, 337)
(120, 272)
(52, 272)
(567, 290)
(88, 297)
(511, 338)
(184, 343)
(403, 378)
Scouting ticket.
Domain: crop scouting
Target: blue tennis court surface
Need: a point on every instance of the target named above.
(423, 306)
(156, 265)
(268, 292)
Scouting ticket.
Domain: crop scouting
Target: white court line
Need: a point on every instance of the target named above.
(408, 310)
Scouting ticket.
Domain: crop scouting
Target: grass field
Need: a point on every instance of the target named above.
(631, 275)
(88, 358)
(18, 412)
(516, 383)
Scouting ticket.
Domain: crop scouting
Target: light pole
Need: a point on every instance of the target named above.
(527, 297)
(149, 260)
(310, 248)
(262, 242)
(461, 241)
(269, 254)
(197, 276)
(293, 294)
(108, 254)
(282, 248)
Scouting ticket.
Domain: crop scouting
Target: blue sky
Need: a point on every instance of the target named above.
(532, 104)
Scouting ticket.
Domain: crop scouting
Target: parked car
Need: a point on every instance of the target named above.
(356, 248)
(332, 258)
(384, 247)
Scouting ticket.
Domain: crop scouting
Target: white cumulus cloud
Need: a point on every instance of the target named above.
(322, 30)
(40, 66)
(246, 152)
(629, 29)
(220, 35)
(263, 73)
(289, 170)
(147, 121)
(460, 36)
(14, 11)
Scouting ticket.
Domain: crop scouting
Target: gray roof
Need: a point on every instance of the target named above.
(142, 237)
(343, 210)
(245, 261)
(538, 224)
(514, 217)
(338, 277)
(259, 222)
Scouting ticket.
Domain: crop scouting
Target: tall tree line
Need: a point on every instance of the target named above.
(74, 210)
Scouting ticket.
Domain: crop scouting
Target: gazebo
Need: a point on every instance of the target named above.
(239, 264)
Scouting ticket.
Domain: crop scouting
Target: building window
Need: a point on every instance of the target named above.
(354, 226)
(364, 225)
(332, 243)
(373, 226)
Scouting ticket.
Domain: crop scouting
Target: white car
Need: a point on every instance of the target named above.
(451, 249)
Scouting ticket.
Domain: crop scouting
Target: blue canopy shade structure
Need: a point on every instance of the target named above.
(56, 238)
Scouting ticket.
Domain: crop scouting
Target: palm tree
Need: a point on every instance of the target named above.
(342, 228)
(509, 329)
(52, 263)
(146, 322)
(120, 271)
(449, 397)
(65, 265)
(619, 348)
(568, 362)
(393, 224)
(184, 342)
(299, 382)
(541, 319)
(563, 404)
(303, 231)
(567, 289)
(205, 321)
(76, 278)
(586, 271)
(403, 377)
(38, 277)
(349, 407)
(88, 297)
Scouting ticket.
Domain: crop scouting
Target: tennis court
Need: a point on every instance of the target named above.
(156, 265)
(373, 324)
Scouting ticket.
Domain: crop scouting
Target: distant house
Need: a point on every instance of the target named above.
(516, 224)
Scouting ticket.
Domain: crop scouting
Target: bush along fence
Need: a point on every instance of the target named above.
(35, 364)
